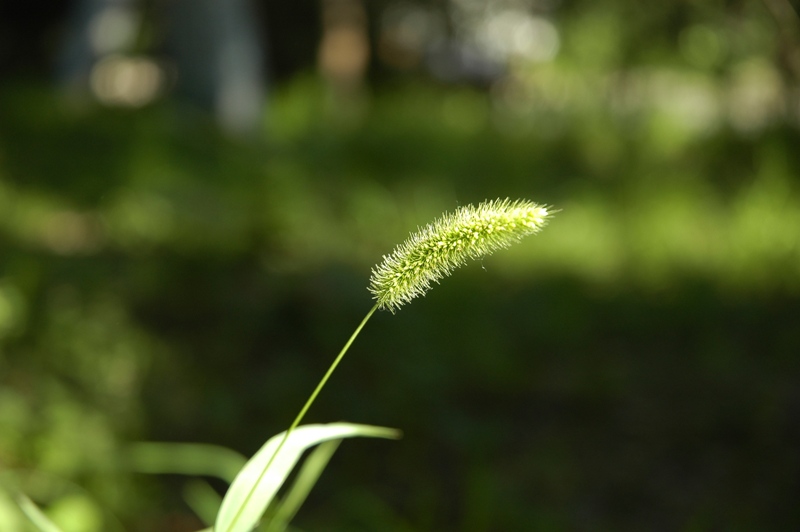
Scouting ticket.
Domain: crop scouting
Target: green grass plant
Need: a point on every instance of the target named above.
(427, 256)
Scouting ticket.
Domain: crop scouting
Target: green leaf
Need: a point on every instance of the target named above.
(306, 478)
(254, 487)
(186, 458)
(36, 516)
(203, 500)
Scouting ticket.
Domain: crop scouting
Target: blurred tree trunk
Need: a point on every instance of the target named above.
(344, 49)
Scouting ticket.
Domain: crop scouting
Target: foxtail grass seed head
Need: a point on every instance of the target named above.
(434, 251)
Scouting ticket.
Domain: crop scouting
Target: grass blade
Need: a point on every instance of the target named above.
(198, 459)
(254, 488)
(35, 514)
(306, 478)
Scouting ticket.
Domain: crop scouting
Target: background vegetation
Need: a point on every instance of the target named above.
(633, 367)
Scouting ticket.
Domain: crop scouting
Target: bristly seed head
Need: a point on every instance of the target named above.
(436, 250)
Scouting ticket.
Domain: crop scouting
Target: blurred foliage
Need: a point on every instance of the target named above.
(635, 365)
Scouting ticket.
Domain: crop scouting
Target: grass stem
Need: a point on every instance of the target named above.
(305, 408)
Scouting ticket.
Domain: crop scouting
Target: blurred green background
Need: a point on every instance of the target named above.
(168, 276)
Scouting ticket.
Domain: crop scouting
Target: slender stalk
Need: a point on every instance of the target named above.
(324, 380)
(306, 406)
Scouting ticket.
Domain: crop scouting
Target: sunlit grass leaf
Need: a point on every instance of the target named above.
(35, 514)
(308, 475)
(254, 488)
